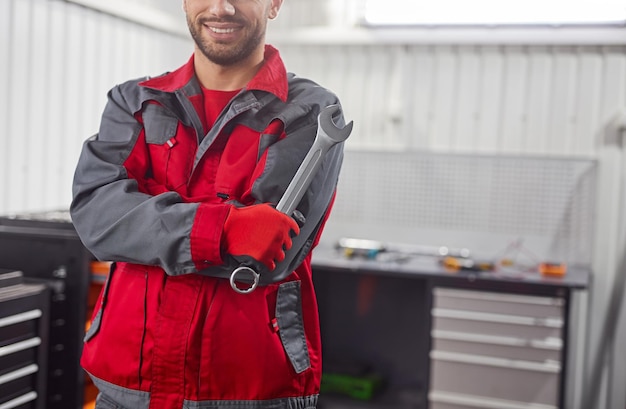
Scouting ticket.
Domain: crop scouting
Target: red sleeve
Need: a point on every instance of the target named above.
(206, 234)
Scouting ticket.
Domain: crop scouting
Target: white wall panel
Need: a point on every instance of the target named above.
(443, 98)
(353, 90)
(72, 98)
(91, 74)
(538, 104)
(614, 82)
(513, 118)
(419, 88)
(564, 91)
(61, 59)
(6, 43)
(508, 99)
(538, 99)
(38, 87)
(101, 76)
(587, 127)
(55, 73)
(18, 137)
(490, 94)
(379, 61)
(395, 97)
(467, 99)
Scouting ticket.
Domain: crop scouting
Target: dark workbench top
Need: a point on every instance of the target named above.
(429, 267)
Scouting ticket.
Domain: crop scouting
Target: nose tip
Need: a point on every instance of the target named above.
(222, 7)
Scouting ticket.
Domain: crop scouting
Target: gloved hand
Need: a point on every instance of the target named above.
(258, 231)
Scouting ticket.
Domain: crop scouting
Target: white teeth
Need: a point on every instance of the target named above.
(222, 30)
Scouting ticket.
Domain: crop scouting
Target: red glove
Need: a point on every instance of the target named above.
(258, 231)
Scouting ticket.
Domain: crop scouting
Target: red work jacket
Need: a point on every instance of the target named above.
(151, 192)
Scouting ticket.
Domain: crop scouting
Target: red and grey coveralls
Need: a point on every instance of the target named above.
(151, 192)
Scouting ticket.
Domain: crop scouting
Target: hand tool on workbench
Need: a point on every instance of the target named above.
(371, 249)
(328, 135)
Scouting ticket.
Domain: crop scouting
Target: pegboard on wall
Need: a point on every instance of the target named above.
(547, 201)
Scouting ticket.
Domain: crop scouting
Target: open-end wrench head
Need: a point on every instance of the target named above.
(328, 126)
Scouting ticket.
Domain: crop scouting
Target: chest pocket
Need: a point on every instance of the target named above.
(159, 123)
(161, 128)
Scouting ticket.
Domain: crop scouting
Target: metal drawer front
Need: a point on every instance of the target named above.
(18, 373)
(19, 346)
(445, 400)
(504, 326)
(518, 381)
(498, 347)
(17, 383)
(18, 327)
(497, 303)
(18, 355)
(22, 317)
(25, 401)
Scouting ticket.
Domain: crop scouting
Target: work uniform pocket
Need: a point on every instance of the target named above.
(291, 326)
(160, 128)
(159, 123)
(96, 320)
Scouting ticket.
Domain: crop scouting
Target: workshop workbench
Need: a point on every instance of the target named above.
(444, 339)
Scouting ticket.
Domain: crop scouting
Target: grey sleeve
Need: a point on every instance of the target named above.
(114, 220)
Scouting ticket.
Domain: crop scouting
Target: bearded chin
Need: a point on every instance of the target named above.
(227, 55)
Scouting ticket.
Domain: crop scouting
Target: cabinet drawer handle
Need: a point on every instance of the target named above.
(19, 346)
(19, 401)
(21, 317)
(555, 344)
(499, 318)
(549, 367)
(508, 298)
(480, 402)
(19, 373)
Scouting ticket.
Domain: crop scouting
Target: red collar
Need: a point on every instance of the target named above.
(272, 77)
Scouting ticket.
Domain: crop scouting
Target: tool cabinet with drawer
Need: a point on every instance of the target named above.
(46, 248)
(453, 340)
(496, 350)
(24, 315)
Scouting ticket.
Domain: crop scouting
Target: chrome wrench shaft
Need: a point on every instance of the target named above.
(328, 135)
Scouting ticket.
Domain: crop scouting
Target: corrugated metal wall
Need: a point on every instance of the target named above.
(59, 60)
(498, 99)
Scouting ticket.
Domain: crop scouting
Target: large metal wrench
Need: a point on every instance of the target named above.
(328, 135)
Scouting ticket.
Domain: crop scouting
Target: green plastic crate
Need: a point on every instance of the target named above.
(357, 387)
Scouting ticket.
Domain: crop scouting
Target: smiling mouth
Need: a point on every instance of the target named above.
(218, 30)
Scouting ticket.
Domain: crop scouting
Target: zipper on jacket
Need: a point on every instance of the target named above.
(223, 196)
